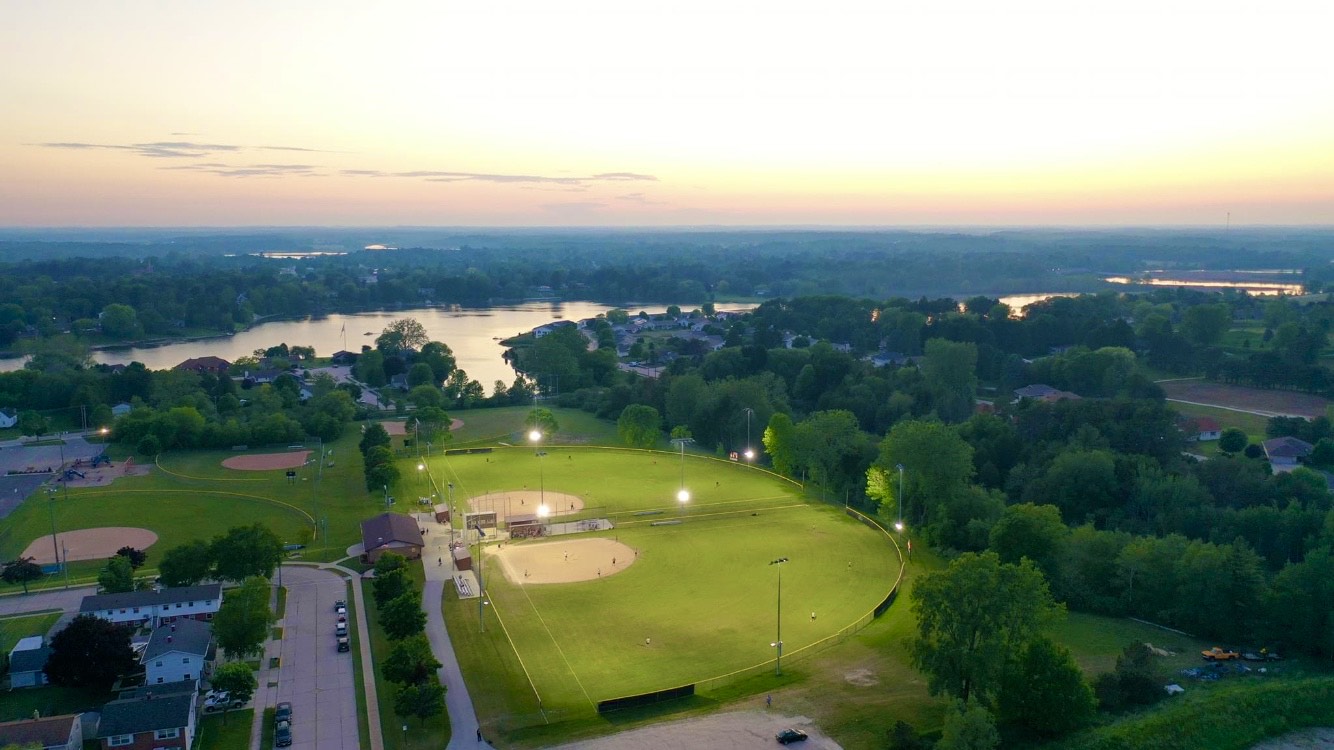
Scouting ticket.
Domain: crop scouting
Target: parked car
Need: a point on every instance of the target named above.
(283, 712)
(217, 700)
(340, 629)
(344, 644)
(282, 734)
(340, 607)
(788, 736)
(1219, 654)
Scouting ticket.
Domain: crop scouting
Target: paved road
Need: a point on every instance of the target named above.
(313, 676)
(67, 600)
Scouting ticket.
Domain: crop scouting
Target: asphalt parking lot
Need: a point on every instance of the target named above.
(313, 676)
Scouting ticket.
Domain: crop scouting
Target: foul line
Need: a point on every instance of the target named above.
(261, 498)
(556, 643)
(157, 461)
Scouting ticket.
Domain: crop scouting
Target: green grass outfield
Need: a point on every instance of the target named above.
(703, 591)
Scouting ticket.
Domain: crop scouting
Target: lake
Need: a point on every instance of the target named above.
(473, 334)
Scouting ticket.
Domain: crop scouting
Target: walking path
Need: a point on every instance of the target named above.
(462, 716)
(66, 600)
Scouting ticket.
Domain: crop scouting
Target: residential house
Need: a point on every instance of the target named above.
(177, 651)
(63, 732)
(159, 717)
(390, 532)
(1202, 429)
(153, 608)
(1285, 453)
(1044, 393)
(215, 365)
(343, 357)
(8, 418)
(26, 661)
(121, 409)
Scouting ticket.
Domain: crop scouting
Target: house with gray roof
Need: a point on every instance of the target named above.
(150, 720)
(48, 732)
(26, 661)
(155, 607)
(179, 651)
(1284, 453)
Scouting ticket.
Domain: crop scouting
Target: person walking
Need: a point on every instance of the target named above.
(768, 701)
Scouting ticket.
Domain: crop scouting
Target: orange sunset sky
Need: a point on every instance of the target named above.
(630, 113)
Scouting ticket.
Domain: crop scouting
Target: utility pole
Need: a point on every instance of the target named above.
(778, 662)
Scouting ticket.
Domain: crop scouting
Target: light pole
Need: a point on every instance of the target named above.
(535, 437)
(750, 454)
(898, 525)
(778, 662)
(453, 517)
(681, 495)
(405, 735)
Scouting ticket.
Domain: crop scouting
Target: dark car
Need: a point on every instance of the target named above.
(283, 712)
(343, 644)
(788, 736)
(282, 734)
(340, 607)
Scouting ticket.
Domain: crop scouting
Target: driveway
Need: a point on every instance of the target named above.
(313, 676)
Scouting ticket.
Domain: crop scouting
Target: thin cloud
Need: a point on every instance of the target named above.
(640, 198)
(574, 206)
(252, 170)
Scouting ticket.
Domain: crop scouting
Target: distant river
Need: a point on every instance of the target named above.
(473, 334)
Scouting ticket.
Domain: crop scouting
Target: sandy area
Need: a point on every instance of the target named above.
(104, 474)
(563, 561)
(400, 428)
(734, 730)
(267, 461)
(525, 502)
(89, 544)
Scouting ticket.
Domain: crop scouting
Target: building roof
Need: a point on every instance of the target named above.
(1037, 390)
(387, 528)
(161, 689)
(146, 714)
(9, 412)
(1206, 424)
(152, 598)
(185, 635)
(204, 363)
(47, 732)
(1287, 447)
(31, 660)
(27, 643)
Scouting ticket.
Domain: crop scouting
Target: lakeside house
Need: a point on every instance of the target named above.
(215, 365)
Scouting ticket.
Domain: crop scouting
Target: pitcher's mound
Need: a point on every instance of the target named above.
(267, 461)
(564, 561)
(89, 544)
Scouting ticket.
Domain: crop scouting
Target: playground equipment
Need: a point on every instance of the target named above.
(69, 474)
(101, 459)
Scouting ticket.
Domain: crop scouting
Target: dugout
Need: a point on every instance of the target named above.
(525, 526)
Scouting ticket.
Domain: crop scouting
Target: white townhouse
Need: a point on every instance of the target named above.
(153, 608)
(177, 651)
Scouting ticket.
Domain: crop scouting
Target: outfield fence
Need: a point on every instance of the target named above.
(731, 678)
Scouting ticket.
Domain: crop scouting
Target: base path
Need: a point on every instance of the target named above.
(267, 461)
(525, 503)
(565, 561)
(89, 544)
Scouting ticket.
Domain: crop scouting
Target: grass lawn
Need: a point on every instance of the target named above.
(1096, 641)
(51, 700)
(434, 732)
(233, 735)
(1251, 424)
(14, 628)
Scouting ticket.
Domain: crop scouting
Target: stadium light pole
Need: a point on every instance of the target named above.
(778, 662)
(898, 525)
(750, 453)
(535, 437)
(453, 517)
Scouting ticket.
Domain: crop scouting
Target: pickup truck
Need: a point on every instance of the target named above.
(1218, 654)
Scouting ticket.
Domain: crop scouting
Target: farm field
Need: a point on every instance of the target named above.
(1270, 402)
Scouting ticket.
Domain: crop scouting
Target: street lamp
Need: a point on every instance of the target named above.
(778, 662)
(405, 735)
(681, 495)
(750, 454)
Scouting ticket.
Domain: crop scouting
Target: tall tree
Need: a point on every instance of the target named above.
(22, 571)
(242, 623)
(1030, 531)
(235, 678)
(410, 661)
(403, 616)
(542, 420)
(937, 464)
(186, 564)
(780, 443)
(404, 333)
(968, 726)
(117, 577)
(137, 557)
(951, 369)
(1044, 693)
(639, 426)
(90, 653)
(422, 700)
(246, 551)
(971, 618)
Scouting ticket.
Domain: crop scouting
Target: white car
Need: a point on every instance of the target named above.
(217, 700)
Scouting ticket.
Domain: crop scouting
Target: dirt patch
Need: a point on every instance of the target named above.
(735, 730)
(89, 544)
(1267, 403)
(525, 502)
(564, 561)
(401, 428)
(106, 474)
(267, 461)
(1306, 739)
(861, 678)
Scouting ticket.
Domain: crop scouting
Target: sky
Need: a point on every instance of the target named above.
(646, 113)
